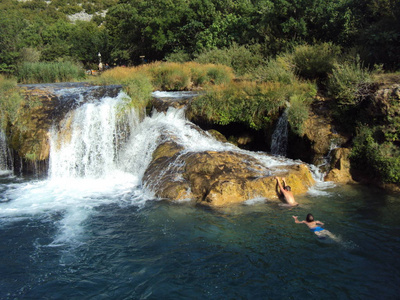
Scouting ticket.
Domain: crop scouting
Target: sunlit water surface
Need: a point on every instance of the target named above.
(82, 242)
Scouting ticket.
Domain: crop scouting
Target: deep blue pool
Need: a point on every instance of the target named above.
(117, 246)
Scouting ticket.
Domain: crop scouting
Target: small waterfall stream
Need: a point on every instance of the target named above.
(279, 139)
(5, 156)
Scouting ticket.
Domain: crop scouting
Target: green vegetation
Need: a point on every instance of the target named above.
(140, 81)
(279, 53)
(239, 34)
(255, 105)
(47, 72)
(377, 160)
(10, 101)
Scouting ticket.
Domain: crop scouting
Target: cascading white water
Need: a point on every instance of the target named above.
(85, 144)
(279, 139)
(5, 161)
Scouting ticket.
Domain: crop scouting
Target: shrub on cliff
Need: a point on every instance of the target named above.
(348, 85)
(374, 159)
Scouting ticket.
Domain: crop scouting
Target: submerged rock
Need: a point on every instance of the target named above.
(218, 178)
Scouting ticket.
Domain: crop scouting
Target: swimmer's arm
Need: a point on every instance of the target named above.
(297, 221)
(319, 223)
(279, 183)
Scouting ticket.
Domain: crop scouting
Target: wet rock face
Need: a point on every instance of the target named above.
(217, 178)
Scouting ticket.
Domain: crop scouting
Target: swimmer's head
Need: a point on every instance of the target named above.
(310, 218)
(288, 188)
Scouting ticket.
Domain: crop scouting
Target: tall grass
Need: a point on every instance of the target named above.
(170, 76)
(141, 80)
(48, 72)
(185, 76)
(136, 82)
(10, 101)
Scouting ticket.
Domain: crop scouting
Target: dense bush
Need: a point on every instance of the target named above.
(346, 82)
(45, 72)
(315, 61)
(169, 76)
(275, 70)
(379, 161)
(184, 76)
(348, 85)
(241, 59)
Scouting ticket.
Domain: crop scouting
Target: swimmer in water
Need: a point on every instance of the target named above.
(286, 192)
(315, 226)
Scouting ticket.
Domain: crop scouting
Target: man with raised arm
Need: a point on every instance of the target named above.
(286, 192)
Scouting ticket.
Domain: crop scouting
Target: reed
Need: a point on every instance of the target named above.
(47, 72)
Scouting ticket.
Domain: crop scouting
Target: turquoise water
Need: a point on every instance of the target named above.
(91, 231)
(133, 249)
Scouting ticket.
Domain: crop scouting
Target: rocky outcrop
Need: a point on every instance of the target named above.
(218, 178)
(340, 166)
(319, 136)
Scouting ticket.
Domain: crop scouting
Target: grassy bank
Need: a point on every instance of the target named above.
(140, 81)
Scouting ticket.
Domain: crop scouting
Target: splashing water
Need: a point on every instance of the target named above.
(280, 136)
(5, 158)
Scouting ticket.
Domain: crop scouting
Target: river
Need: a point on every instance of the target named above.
(92, 231)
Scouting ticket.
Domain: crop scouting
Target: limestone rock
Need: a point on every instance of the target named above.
(218, 178)
(340, 166)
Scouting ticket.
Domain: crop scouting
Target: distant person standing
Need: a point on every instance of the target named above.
(286, 192)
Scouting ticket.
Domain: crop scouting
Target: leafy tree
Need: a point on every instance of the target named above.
(86, 40)
(11, 24)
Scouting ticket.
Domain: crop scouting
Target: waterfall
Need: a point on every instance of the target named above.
(86, 143)
(279, 139)
(5, 157)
